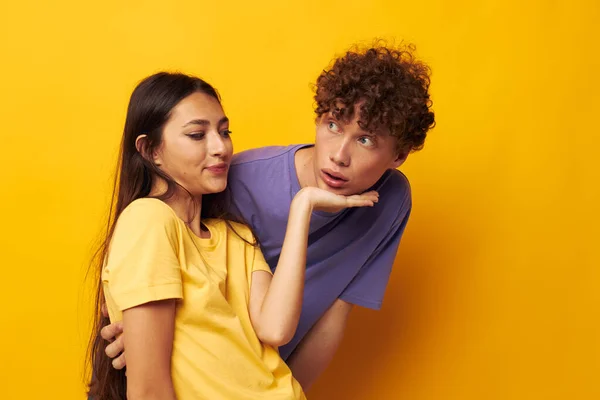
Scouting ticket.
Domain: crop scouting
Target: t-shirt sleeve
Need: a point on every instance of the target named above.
(258, 260)
(368, 287)
(143, 264)
(255, 261)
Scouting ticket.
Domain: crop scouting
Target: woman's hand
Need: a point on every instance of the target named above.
(323, 200)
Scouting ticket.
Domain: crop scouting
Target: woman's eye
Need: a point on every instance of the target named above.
(197, 135)
(226, 133)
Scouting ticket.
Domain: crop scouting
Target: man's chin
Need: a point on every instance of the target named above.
(344, 190)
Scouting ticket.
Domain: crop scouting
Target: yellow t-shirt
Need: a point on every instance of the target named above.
(216, 354)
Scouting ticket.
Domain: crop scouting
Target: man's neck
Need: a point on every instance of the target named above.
(304, 162)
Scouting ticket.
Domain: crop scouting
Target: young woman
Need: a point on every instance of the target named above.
(202, 314)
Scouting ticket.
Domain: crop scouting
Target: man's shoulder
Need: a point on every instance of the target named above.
(397, 177)
(395, 199)
(395, 184)
(263, 154)
(262, 178)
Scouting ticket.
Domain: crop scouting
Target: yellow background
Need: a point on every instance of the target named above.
(496, 290)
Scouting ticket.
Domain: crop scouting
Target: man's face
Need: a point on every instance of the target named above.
(348, 160)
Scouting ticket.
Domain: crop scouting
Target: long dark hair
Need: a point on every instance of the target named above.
(149, 109)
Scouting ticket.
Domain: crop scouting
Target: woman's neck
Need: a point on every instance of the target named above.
(186, 207)
(189, 210)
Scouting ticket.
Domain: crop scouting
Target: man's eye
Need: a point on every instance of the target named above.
(333, 127)
(366, 141)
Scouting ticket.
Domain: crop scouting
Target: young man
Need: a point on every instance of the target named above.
(373, 109)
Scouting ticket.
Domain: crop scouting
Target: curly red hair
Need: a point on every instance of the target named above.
(390, 88)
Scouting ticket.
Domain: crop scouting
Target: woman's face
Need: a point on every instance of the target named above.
(196, 148)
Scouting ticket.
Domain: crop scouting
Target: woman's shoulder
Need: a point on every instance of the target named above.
(143, 224)
(234, 230)
(148, 210)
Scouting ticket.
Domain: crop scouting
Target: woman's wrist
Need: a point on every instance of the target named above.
(303, 200)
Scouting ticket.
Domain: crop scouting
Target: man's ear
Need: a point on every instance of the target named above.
(399, 160)
(141, 145)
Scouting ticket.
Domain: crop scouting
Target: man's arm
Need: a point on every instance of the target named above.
(316, 350)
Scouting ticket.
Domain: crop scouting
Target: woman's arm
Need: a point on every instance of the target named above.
(276, 302)
(149, 341)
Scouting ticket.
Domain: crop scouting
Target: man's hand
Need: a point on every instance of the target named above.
(115, 349)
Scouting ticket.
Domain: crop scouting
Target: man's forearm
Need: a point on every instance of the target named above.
(316, 350)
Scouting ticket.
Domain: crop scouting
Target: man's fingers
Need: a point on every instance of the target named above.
(115, 348)
(110, 331)
(119, 362)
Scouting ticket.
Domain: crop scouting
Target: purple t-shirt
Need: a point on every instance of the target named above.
(350, 253)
